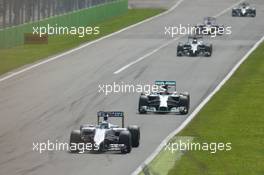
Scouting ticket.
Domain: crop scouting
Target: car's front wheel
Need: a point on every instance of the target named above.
(254, 14)
(135, 134)
(143, 101)
(209, 51)
(126, 140)
(75, 140)
(185, 104)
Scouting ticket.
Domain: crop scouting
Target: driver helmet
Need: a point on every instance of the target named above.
(166, 87)
(195, 41)
(105, 124)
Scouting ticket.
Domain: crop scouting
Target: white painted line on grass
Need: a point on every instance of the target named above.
(196, 111)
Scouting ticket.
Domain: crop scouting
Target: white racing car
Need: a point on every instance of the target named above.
(194, 47)
(106, 136)
(165, 101)
(209, 27)
(244, 10)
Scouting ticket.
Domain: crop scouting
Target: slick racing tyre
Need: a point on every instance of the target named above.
(135, 135)
(101, 148)
(143, 101)
(253, 14)
(75, 139)
(209, 51)
(126, 140)
(179, 54)
(179, 51)
(234, 14)
(185, 102)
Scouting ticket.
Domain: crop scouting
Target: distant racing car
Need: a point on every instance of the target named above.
(165, 101)
(244, 10)
(106, 136)
(194, 47)
(209, 27)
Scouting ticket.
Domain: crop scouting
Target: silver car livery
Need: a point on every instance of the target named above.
(244, 10)
(209, 27)
(194, 47)
(165, 101)
(106, 136)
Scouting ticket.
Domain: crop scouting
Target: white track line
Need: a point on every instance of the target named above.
(145, 56)
(229, 8)
(198, 108)
(12, 74)
(168, 43)
(155, 50)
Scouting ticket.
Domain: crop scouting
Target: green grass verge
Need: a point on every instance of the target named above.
(18, 56)
(235, 114)
(166, 159)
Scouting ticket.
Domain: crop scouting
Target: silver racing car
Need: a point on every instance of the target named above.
(194, 47)
(244, 10)
(166, 100)
(105, 136)
(209, 27)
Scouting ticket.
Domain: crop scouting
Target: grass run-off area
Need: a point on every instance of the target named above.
(236, 115)
(15, 57)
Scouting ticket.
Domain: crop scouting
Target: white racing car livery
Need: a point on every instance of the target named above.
(106, 136)
(244, 10)
(194, 47)
(209, 27)
(165, 101)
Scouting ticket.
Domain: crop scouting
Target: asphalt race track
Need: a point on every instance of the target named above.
(49, 101)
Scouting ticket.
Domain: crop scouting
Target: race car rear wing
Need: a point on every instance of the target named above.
(168, 83)
(196, 36)
(209, 19)
(109, 114)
